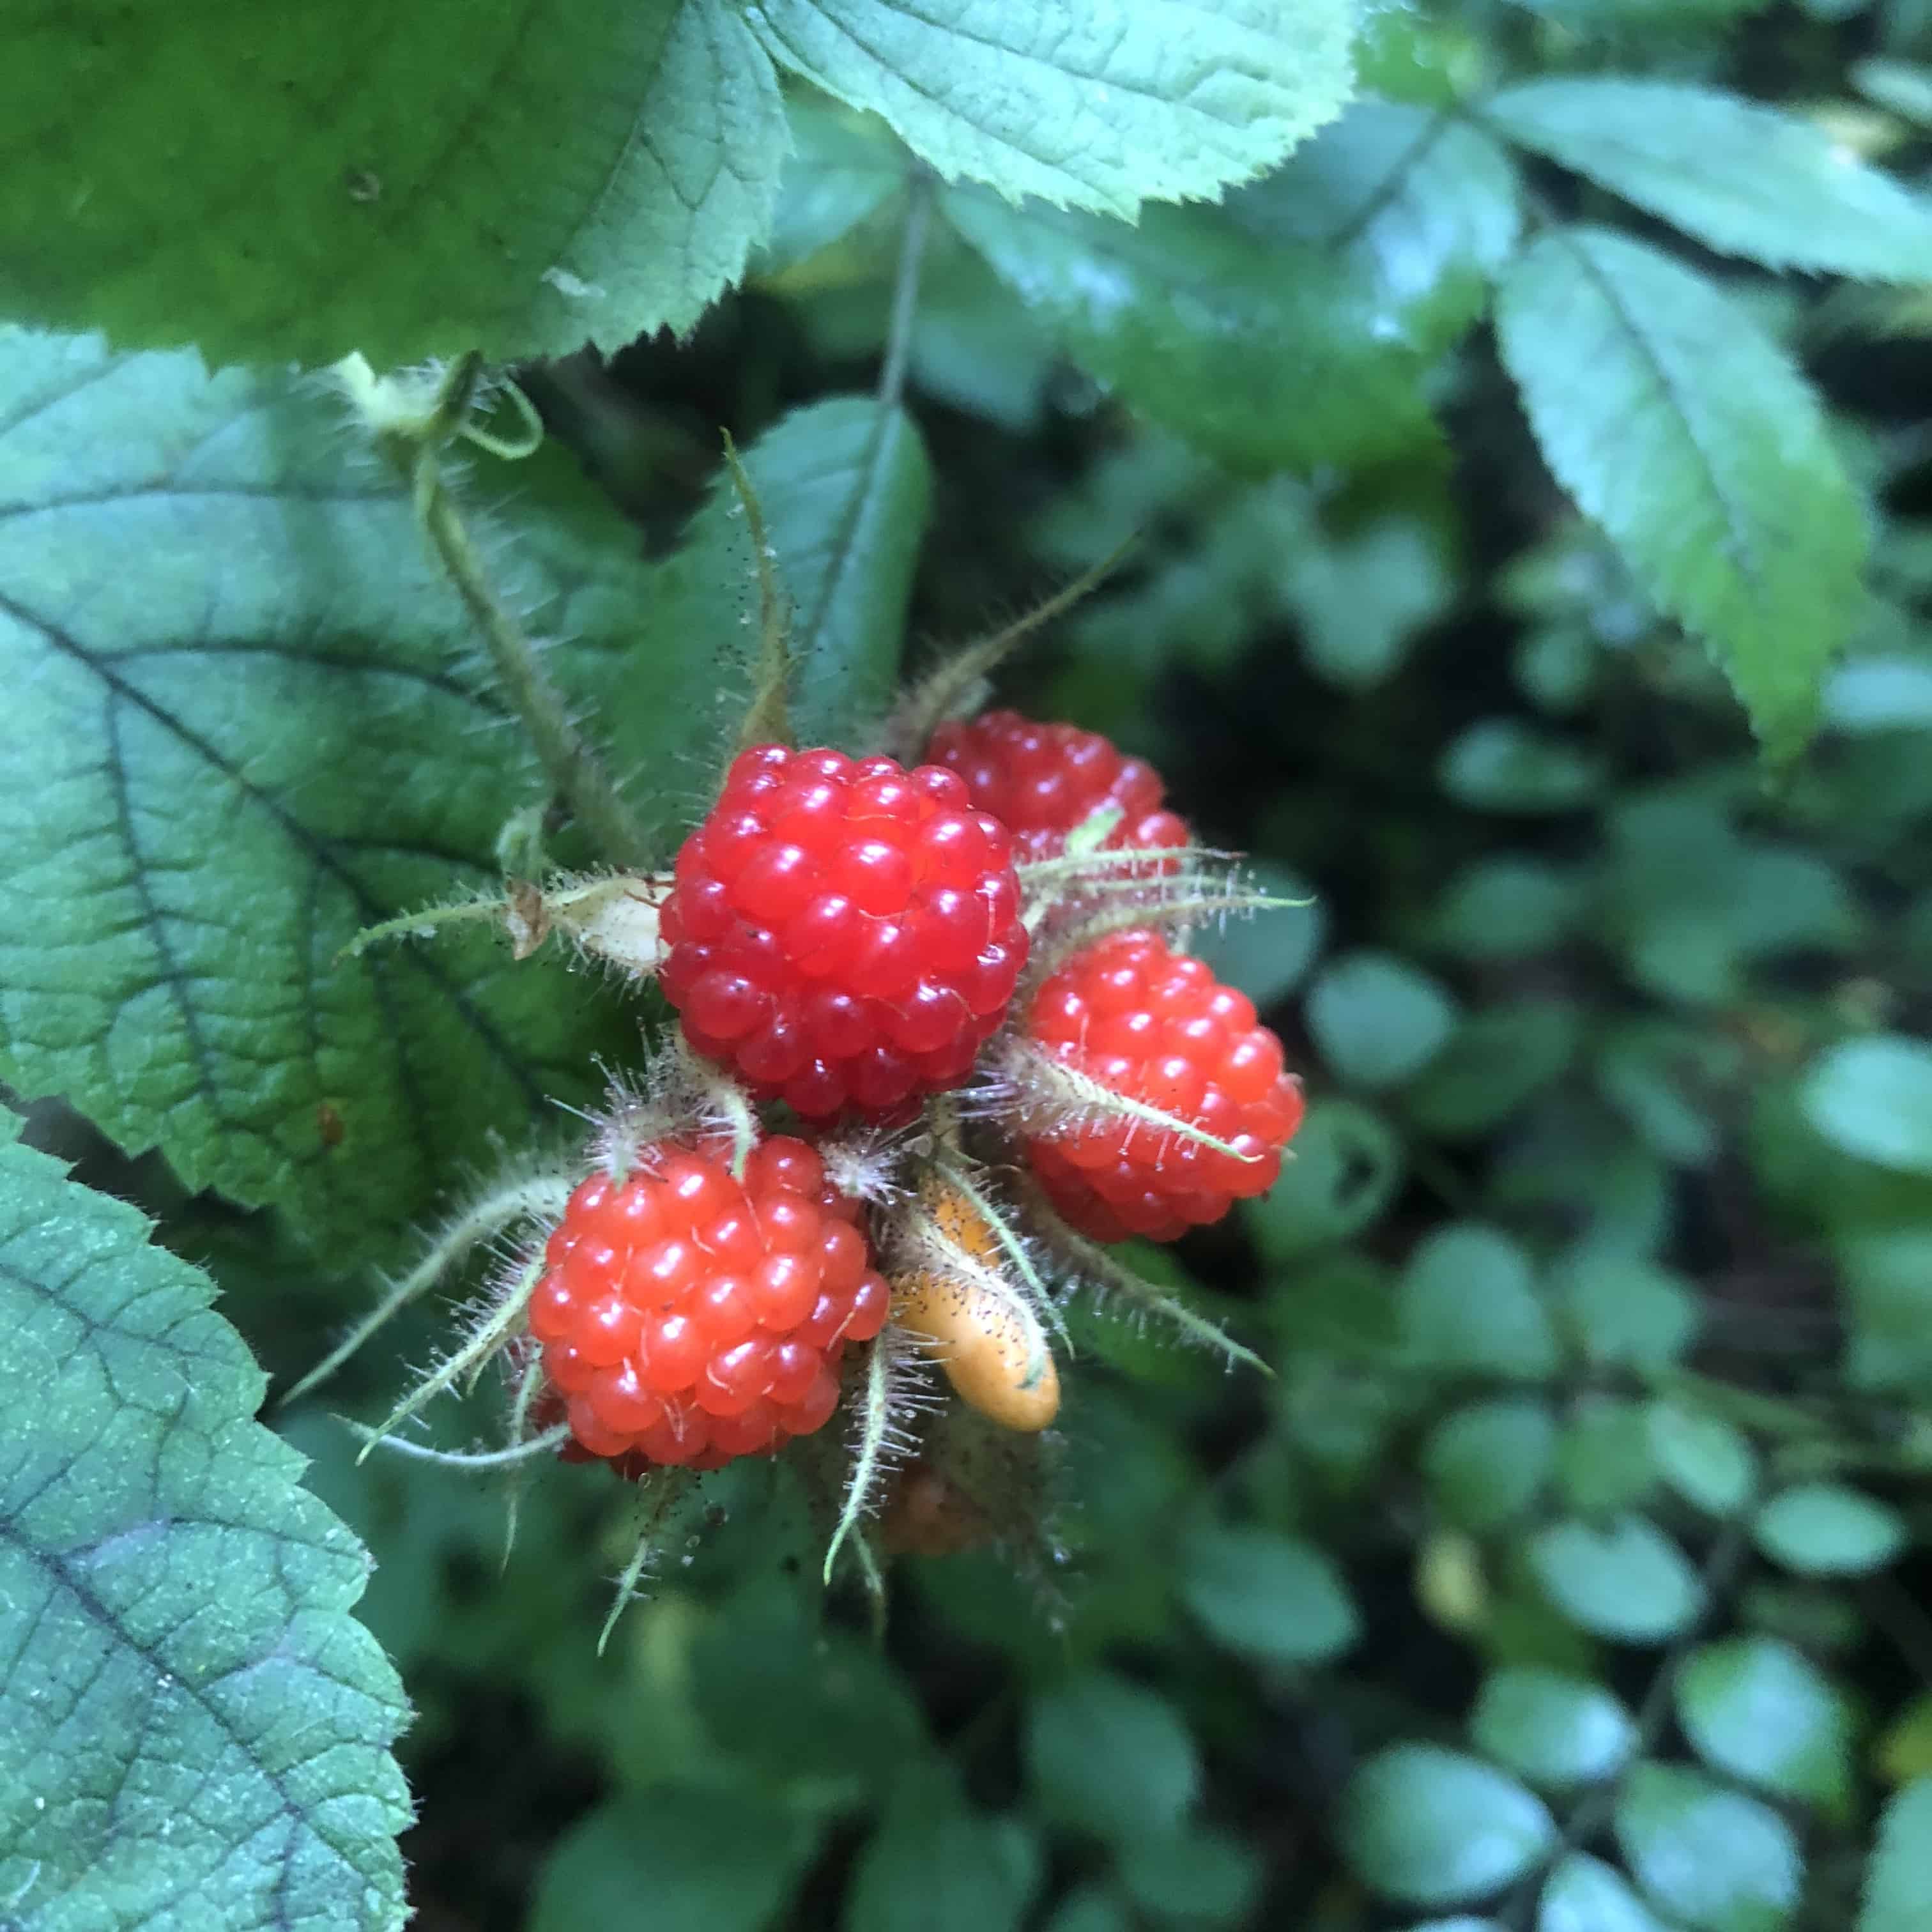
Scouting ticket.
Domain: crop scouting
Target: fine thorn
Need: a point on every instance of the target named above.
(941, 691)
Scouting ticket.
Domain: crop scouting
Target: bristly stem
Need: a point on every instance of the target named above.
(905, 287)
(574, 767)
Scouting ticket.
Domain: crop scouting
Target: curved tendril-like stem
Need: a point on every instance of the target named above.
(1014, 1248)
(527, 1451)
(528, 1384)
(415, 448)
(485, 1219)
(1083, 1093)
(1121, 1280)
(719, 1090)
(875, 1586)
(491, 1336)
(874, 1425)
(671, 1486)
(425, 923)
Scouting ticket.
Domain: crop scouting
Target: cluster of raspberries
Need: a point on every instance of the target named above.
(849, 937)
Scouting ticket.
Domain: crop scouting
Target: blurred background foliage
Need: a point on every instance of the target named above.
(1570, 1572)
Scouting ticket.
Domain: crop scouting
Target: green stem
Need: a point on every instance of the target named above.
(905, 288)
(574, 767)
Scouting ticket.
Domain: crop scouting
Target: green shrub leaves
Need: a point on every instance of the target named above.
(1689, 437)
(1742, 179)
(346, 190)
(193, 1732)
(1075, 102)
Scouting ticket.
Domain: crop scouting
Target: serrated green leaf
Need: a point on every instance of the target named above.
(1420, 208)
(194, 1733)
(1744, 179)
(1712, 1859)
(1377, 1019)
(1706, 1460)
(1873, 1097)
(1898, 1880)
(245, 722)
(1760, 1710)
(1263, 359)
(1467, 1304)
(845, 488)
(1343, 1171)
(1627, 1582)
(471, 176)
(1699, 448)
(1430, 1827)
(1273, 1597)
(1584, 1894)
(935, 1864)
(707, 1860)
(1488, 1463)
(1825, 1529)
(1110, 1757)
(1074, 101)
(1292, 325)
(1556, 1730)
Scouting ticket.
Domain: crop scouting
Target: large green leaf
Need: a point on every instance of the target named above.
(1628, 1582)
(1745, 180)
(1083, 103)
(1692, 440)
(1107, 1756)
(1432, 1827)
(707, 1860)
(1468, 1305)
(243, 721)
(1553, 1730)
(844, 486)
(1757, 1708)
(1293, 326)
(1711, 1858)
(1273, 1597)
(936, 1863)
(1873, 1097)
(194, 1733)
(520, 176)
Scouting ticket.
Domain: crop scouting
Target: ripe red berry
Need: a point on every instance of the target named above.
(842, 933)
(1041, 780)
(688, 1317)
(1155, 1026)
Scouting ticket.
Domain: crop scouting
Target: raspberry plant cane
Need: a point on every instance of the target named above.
(1005, 1061)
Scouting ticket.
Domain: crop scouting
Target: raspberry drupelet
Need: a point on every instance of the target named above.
(842, 933)
(687, 1317)
(1041, 780)
(1155, 1026)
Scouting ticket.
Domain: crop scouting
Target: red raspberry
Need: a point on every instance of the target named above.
(688, 1317)
(842, 933)
(1156, 1026)
(1041, 780)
